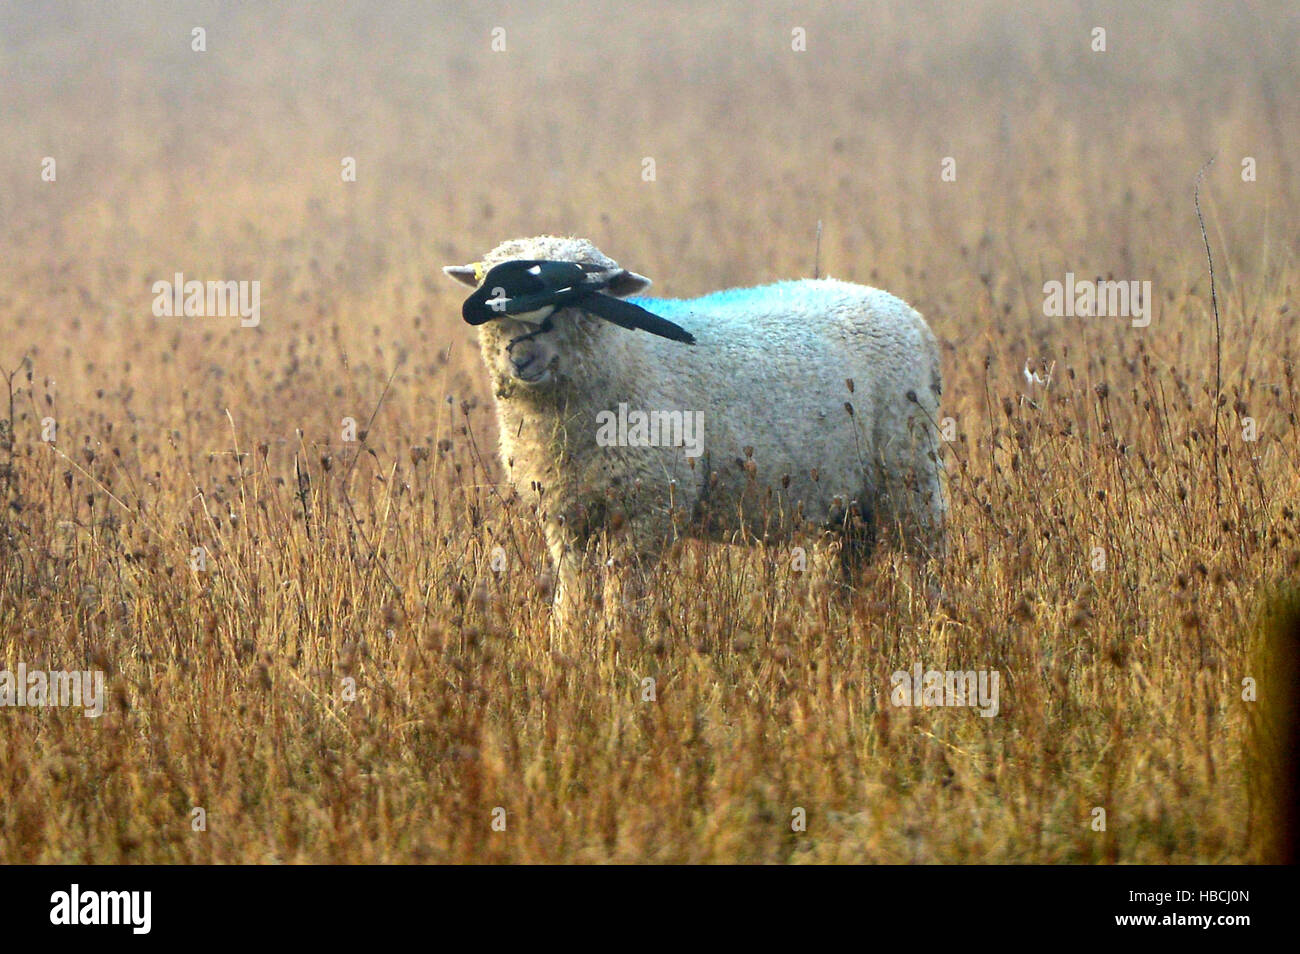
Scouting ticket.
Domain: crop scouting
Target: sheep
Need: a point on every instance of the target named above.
(818, 401)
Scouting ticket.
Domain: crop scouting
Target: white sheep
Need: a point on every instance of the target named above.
(818, 401)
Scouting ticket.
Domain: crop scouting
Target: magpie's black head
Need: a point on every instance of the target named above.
(532, 303)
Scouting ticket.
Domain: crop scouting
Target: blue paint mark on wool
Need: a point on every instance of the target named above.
(763, 298)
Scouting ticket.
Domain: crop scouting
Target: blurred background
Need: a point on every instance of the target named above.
(225, 164)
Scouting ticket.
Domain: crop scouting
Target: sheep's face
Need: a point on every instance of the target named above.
(523, 352)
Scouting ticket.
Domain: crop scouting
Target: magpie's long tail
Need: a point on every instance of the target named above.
(628, 315)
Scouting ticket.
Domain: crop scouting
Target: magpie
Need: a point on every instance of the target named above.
(533, 290)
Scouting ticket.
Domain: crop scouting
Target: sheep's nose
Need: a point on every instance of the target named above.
(526, 361)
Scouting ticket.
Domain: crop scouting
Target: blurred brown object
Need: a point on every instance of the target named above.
(1275, 733)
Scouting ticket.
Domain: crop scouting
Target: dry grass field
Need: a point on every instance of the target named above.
(306, 638)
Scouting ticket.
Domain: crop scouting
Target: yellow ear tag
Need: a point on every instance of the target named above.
(479, 272)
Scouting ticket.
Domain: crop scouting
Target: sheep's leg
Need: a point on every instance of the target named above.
(565, 604)
(910, 508)
(924, 514)
(857, 540)
(625, 591)
(625, 572)
(566, 557)
(827, 563)
(914, 512)
(631, 563)
(839, 556)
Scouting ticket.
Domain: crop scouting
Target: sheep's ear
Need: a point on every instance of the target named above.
(465, 274)
(627, 283)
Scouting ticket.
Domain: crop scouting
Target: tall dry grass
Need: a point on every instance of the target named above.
(370, 562)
